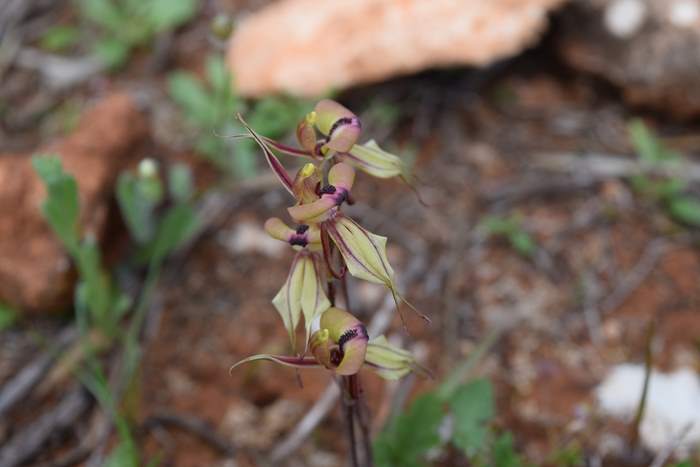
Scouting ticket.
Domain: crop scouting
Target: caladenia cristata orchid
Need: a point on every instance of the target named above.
(328, 245)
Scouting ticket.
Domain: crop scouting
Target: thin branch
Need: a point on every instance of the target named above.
(195, 426)
(27, 443)
(17, 389)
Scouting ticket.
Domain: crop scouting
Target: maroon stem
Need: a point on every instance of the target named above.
(354, 392)
(328, 255)
(349, 408)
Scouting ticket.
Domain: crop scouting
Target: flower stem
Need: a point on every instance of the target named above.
(349, 409)
(356, 410)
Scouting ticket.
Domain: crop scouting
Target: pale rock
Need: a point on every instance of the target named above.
(624, 18)
(648, 48)
(307, 47)
(672, 413)
(249, 237)
(684, 13)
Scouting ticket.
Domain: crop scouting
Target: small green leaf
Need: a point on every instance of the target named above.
(179, 223)
(136, 210)
(275, 116)
(123, 455)
(472, 407)
(99, 291)
(167, 14)
(504, 454)
(411, 435)
(8, 316)
(685, 209)
(104, 13)
(198, 105)
(180, 183)
(113, 52)
(522, 242)
(61, 207)
(59, 38)
(217, 74)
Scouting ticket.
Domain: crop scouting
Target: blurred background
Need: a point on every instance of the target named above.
(551, 233)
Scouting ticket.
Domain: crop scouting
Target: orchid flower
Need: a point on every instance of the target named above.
(331, 130)
(341, 345)
(303, 291)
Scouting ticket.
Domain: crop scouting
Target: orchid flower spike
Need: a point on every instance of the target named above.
(341, 345)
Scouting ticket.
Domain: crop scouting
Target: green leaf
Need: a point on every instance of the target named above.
(113, 52)
(179, 223)
(685, 209)
(498, 225)
(104, 13)
(504, 454)
(472, 407)
(59, 38)
(411, 435)
(180, 183)
(649, 148)
(666, 189)
(61, 208)
(274, 117)
(123, 455)
(190, 95)
(8, 316)
(137, 211)
(217, 74)
(522, 242)
(99, 292)
(166, 14)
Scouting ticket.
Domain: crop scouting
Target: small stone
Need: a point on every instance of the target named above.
(684, 13)
(249, 237)
(624, 18)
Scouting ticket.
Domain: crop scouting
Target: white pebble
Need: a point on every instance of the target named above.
(684, 13)
(623, 18)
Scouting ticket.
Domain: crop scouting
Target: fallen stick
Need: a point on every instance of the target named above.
(17, 388)
(193, 425)
(27, 443)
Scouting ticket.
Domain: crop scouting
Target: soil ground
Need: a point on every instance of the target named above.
(608, 262)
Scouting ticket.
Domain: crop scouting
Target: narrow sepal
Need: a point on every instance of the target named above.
(290, 361)
(272, 160)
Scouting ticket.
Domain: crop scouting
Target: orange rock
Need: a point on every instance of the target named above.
(308, 47)
(35, 271)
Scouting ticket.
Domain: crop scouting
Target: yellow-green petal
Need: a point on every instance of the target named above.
(389, 361)
(372, 159)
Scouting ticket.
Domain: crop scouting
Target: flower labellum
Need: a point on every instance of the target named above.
(304, 235)
(341, 343)
(340, 178)
(339, 125)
